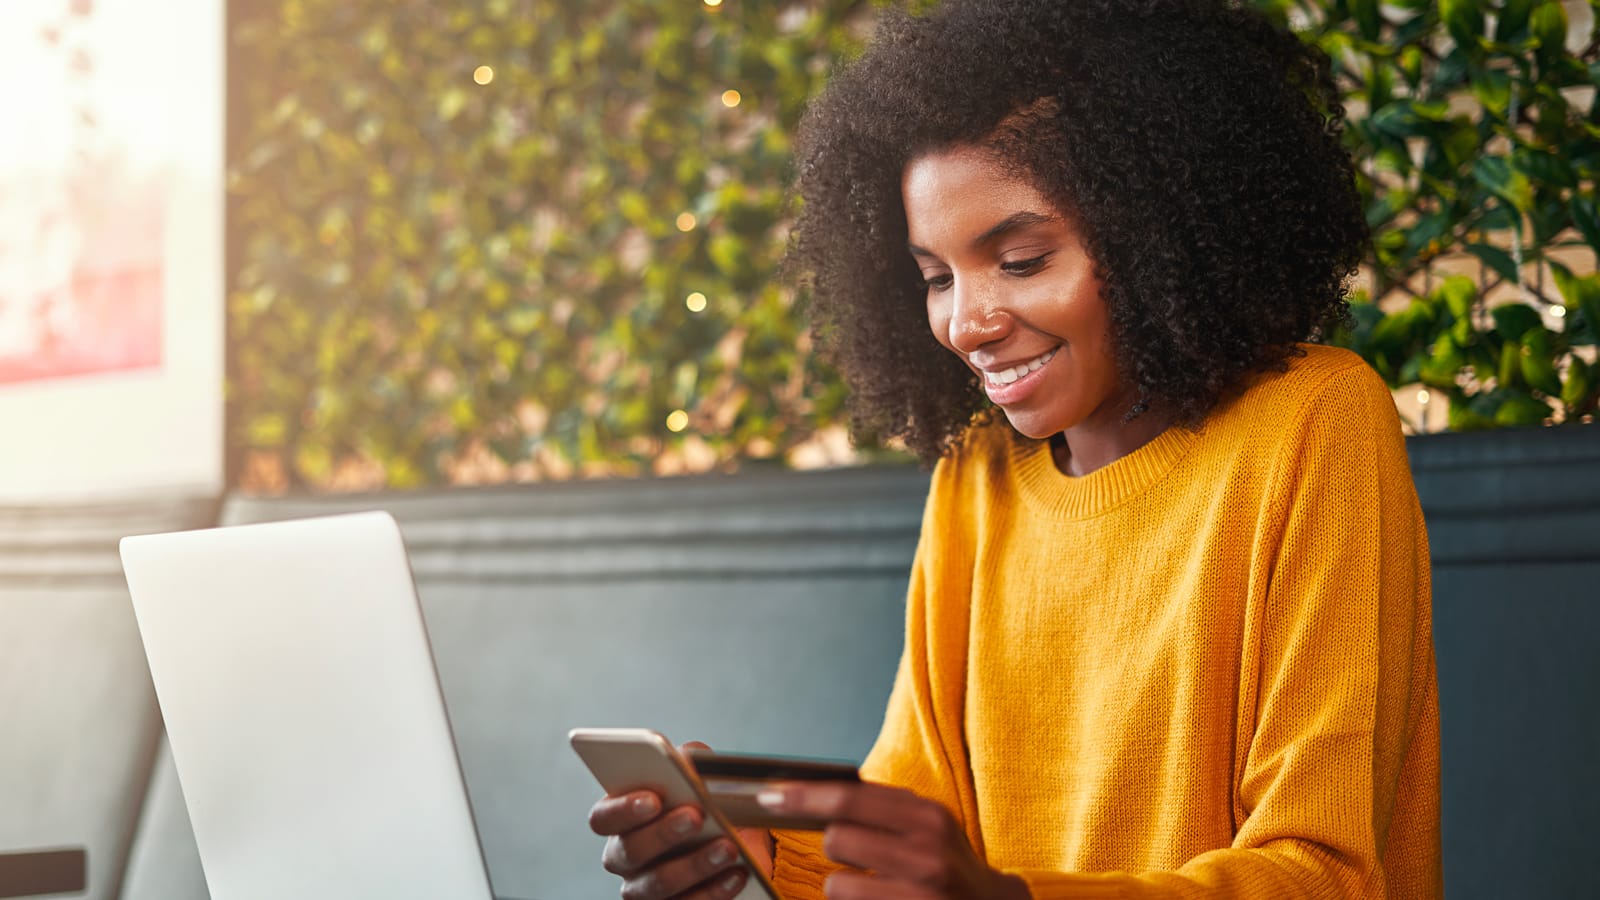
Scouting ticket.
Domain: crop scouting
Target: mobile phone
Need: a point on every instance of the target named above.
(633, 759)
(734, 780)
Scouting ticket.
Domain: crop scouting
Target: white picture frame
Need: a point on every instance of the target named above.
(154, 91)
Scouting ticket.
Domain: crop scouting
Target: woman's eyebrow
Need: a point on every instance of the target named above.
(1009, 224)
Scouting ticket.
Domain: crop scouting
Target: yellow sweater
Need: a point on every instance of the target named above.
(1204, 670)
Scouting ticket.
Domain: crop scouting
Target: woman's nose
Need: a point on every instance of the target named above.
(976, 318)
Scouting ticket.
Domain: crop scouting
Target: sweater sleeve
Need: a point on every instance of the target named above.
(920, 746)
(1338, 703)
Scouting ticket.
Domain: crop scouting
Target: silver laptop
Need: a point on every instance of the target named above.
(304, 712)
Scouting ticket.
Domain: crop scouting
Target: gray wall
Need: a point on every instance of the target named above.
(78, 720)
(1514, 523)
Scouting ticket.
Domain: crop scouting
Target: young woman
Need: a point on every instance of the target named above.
(1168, 625)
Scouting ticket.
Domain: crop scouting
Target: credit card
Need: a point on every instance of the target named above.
(734, 780)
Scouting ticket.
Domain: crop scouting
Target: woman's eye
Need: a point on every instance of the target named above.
(1024, 266)
(936, 282)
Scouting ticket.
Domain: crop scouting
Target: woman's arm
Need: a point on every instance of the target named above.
(920, 745)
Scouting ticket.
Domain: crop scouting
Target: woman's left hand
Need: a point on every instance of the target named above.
(905, 846)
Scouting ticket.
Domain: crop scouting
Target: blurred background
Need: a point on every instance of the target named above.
(494, 265)
(524, 240)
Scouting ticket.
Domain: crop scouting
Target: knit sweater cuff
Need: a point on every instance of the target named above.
(1071, 885)
(799, 867)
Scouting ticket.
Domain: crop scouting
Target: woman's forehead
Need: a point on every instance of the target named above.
(965, 190)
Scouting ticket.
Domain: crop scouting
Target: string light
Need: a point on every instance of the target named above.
(686, 221)
(1423, 397)
(730, 98)
(677, 420)
(713, 3)
(1559, 312)
(695, 301)
(483, 75)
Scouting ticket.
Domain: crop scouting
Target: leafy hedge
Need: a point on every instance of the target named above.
(1477, 129)
(459, 252)
(450, 272)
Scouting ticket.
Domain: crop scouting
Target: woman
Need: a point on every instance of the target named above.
(1168, 625)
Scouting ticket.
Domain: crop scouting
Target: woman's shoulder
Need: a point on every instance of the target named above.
(1323, 383)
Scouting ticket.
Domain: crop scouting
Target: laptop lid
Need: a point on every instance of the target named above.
(304, 712)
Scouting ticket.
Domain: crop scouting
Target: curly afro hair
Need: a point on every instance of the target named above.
(1195, 143)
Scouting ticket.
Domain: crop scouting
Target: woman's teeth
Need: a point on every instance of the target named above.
(1007, 376)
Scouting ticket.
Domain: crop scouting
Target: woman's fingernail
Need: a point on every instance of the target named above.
(645, 806)
(720, 855)
(732, 881)
(774, 800)
(682, 823)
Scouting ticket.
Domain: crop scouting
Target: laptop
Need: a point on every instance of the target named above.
(304, 711)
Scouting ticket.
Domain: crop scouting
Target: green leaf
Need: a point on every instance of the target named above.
(1538, 362)
(1499, 218)
(1451, 71)
(1509, 372)
(1410, 62)
(1458, 293)
(1498, 260)
(1428, 230)
(1462, 417)
(1402, 119)
(1445, 360)
(1587, 220)
(1513, 320)
(1578, 387)
(1367, 17)
(1492, 87)
(1496, 174)
(1519, 410)
(1464, 19)
(1544, 166)
(1549, 26)
(1460, 145)
(1513, 20)
(1582, 296)
(1392, 338)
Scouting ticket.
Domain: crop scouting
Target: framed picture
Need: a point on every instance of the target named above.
(111, 246)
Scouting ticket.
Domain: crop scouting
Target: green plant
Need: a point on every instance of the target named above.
(1475, 127)
(439, 280)
(449, 273)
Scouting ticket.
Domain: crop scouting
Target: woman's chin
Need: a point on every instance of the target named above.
(1032, 426)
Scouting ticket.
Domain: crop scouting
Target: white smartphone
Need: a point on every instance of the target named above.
(633, 759)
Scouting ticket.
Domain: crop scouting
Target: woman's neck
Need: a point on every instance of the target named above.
(1094, 445)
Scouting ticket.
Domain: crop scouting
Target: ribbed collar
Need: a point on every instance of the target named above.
(1039, 482)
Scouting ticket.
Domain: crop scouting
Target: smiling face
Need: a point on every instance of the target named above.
(1012, 291)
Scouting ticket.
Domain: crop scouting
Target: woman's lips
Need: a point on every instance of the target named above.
(1012, 385)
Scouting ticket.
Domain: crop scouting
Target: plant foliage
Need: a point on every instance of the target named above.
(1477, 130)
(464, 251)
(441, 263)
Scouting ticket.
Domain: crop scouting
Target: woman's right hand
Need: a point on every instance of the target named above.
(647, 847)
